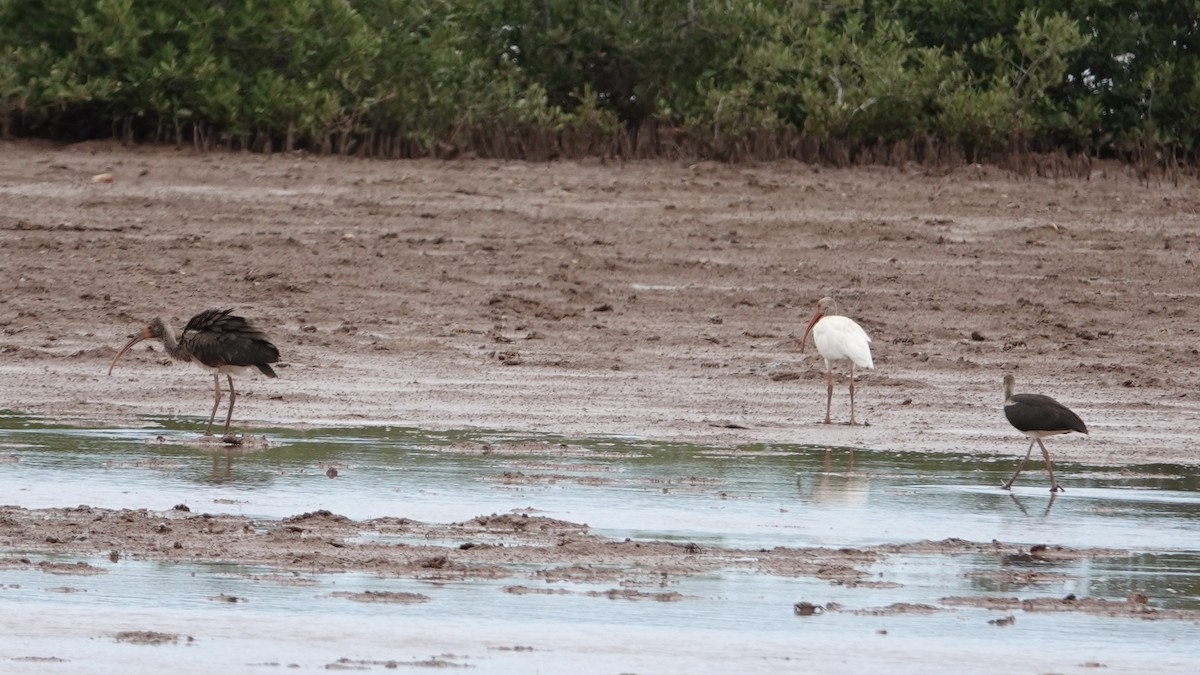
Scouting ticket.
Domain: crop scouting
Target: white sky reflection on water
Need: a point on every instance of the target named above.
(730, 622)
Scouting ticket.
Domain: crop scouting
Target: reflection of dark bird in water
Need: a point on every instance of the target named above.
(218, 341)
(1037, 417)
(1025, 511)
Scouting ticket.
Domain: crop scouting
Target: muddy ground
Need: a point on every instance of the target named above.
(528, 553)
(663, 300)
(660, 300)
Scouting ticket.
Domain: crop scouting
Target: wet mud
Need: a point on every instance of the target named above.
(659, 300)
(322, 543)
(652, 301)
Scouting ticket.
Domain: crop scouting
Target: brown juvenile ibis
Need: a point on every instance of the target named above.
(1037, 417)
(837, 338)
(218, 341)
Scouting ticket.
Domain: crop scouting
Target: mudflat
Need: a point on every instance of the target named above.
(660, 300)
(655, 299)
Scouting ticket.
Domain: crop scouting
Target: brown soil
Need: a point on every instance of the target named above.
(530, 552)
(652, 299)
(661, 300)
(146, 637)
(486, 547)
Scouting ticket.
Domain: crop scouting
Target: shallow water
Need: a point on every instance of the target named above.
(753, 497)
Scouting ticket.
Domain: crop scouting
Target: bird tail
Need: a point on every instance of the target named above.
(266, 369)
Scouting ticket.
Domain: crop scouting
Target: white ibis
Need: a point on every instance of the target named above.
(1037, 417)
(838, 338)
(218, 341)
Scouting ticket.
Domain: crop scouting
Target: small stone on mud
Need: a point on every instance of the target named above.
(807, 609)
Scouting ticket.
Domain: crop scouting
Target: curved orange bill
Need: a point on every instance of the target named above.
(136, 339)
(817, 316)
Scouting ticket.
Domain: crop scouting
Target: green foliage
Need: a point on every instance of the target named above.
(865, 81)
(1028, 64)
(538, 78)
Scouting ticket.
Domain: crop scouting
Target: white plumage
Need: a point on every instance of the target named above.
(838, 338)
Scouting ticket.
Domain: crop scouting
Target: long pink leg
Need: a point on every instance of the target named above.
(1020, 466)
(232, 398)
(828, 392)
(852, 422)
(1054, 486)
(216, 402)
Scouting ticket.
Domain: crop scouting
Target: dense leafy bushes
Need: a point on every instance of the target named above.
(837, 81)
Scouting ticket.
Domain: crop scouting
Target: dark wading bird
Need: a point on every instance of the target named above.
(837, 338)
(1037, 417)
(217, 341)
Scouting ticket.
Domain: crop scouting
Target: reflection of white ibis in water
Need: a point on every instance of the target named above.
(1037, 417)
(838, 338)
(218, 341)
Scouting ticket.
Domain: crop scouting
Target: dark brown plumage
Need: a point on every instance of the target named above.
(1037, 417)
(218, 340)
